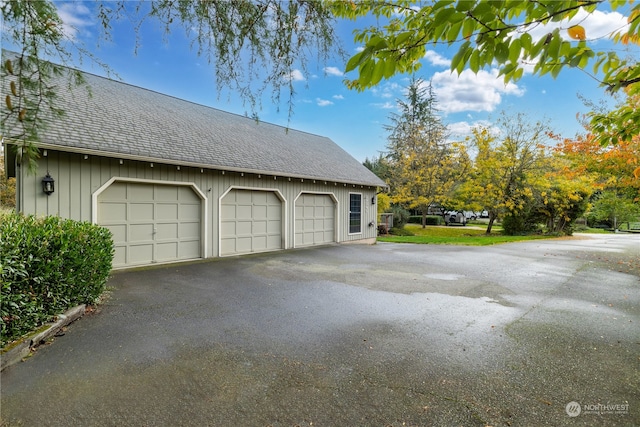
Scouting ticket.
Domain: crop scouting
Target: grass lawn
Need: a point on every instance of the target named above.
(455, 235)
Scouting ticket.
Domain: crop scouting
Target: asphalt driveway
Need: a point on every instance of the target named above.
(535, 333)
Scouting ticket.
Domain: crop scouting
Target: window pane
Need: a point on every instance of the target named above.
(355, 211)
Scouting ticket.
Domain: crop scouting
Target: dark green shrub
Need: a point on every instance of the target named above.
(434, 220)
(415, 219)
(48, 265)
(400, 232)
(521, 224)
(400, 216)
(429, 220)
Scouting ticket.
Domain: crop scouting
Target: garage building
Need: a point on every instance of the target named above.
(175, 181)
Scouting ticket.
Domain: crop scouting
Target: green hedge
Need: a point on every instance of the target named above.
(431, 219)
(48, 265)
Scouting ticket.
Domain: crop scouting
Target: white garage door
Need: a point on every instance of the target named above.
(151, 222)
(315, 220)
(250, 221)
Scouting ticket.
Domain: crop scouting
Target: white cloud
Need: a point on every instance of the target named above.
(387, 90)
(338, 97)
(296, 76)
(323, 102)
(471, 92)
(75, 18)
(597, 25)
(333, 71)
(460, 130)
(385, 105)
(436, 59)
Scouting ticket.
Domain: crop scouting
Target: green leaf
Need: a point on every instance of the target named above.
(366, 71)
(378, 72)
(401, 38)
(501, 52)
(474, 62)
(389, 68)
(514, 50)
(442, 16)
(355, 61)
(453, 32)
(468, 27)
(459, 59)
(525, 41)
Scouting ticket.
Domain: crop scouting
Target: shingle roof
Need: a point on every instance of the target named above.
(121, 120)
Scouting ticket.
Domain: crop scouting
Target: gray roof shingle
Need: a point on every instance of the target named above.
(121, 120)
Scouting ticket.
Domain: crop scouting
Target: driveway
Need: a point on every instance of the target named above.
(383, 335)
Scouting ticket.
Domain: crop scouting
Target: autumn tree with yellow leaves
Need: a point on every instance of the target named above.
(507, 167)
(425, 167)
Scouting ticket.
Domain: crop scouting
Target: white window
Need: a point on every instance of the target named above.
(355, 213)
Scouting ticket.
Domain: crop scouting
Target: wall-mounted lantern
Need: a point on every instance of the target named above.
(373, 200)
(48, 184)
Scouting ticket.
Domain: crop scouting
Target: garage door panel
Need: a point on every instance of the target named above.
(274, 227)
(228, 211)
(259, 243)
(167, 211)
(259, 227)
(186, 194)
(119, 232)
(190, 249)
(189, 212)
(151, 222)
(228, 229)
(189, 230)
(244, 244)
(119, 255)
(254, 222)
(244, 212)
(166, 231)
(139, 232)
(242, 197)
(116, 191)
(139, 191)
(141, 211)
(259, 212)
(228, 246)
(315, 220)
(140, 253)
(166, 193)
(243, 228)
(167, 251)
(114, 212)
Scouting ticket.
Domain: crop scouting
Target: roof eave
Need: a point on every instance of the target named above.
(182, 163)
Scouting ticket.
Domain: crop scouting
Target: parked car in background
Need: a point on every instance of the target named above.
(470, 215)
(455, 217)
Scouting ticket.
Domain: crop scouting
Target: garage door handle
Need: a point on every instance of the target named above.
(155, 230)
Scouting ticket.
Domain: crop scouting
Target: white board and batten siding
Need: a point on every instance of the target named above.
(161, 213)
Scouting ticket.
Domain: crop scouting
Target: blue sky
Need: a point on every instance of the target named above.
(323, 104)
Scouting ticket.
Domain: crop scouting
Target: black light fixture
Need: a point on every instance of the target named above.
(373, 200)
(48, 184)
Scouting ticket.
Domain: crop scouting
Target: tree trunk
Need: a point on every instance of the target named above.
(424, 219)
(492, 218)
